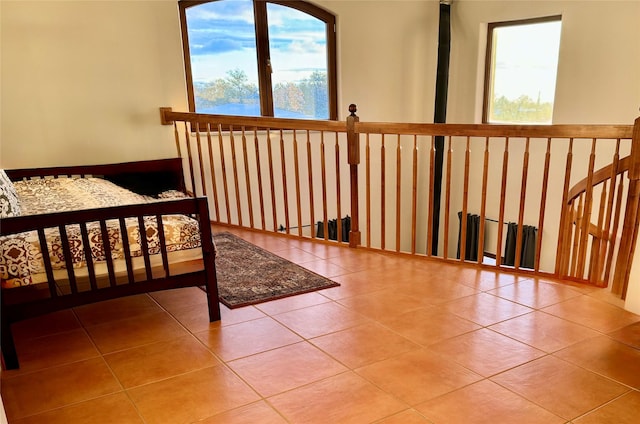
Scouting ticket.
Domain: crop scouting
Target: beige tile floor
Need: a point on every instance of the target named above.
(400, 341)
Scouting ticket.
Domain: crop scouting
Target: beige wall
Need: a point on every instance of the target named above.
(387, 58)
(599, 59)
(82, 80)
(88, 76)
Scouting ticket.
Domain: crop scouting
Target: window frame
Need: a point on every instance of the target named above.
(265, 86)
(488, 68)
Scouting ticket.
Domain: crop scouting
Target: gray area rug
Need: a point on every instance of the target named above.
(248, 274)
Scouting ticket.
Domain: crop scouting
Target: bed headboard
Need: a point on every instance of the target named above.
(144, 177)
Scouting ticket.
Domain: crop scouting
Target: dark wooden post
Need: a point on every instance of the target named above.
(353, 157)
(440, 114)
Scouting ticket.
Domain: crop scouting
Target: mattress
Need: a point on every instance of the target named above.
(21, 260)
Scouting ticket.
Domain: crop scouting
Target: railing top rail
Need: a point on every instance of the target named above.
(493, 130)
(599, 176)
(575, 131)
(168, 117)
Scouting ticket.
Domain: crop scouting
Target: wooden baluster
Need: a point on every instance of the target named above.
(448, 200)
(324, 187)
(465, 204)
(607, 242)
(368, 180)
(414, 195)
(503, 193)
(588, 204)
(176, 135)
(483, 206)
(236, 184)
(297, 177)
(596, 241)
(203, 185)
(564, 246)
(272, 181)
(190, 157)
(614, 230)
(568, 225)
(579, 217)
(213, 175)
(523, 197)
(311, 196)
(338, 192)
(247, 180)
(633, 205)
(285, 188)
(398, 190)
(223, 167)
(382, 195)
(543, 204)
(256, 143)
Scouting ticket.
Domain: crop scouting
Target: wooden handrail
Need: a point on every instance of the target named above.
(168, 117)
(492, 130)
(599, 176)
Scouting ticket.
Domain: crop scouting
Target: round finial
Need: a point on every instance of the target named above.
(353, 109)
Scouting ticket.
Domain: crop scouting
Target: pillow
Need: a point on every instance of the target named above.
(173, 194)
(9, 203)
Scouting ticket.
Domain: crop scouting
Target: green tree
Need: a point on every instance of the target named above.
(316, 94)
(235, 88)
(307, 97)
(523, 109)
(288, 96)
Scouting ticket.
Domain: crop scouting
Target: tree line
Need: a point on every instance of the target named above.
(522, 109)
(308, 96)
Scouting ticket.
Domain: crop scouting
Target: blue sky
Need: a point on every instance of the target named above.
(221, 38)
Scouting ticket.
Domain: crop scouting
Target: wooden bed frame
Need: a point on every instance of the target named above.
(146, 177)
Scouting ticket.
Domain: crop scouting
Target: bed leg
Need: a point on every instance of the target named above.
(213, 299)
(9, 354)
(209, 260)
(212, 293)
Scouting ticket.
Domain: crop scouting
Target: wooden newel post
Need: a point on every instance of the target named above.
(631, 219)
(163, 116)
(353, 157)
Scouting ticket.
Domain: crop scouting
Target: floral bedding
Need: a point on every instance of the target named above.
(21, 256)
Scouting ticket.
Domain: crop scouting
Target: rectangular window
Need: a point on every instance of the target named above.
(521, 69)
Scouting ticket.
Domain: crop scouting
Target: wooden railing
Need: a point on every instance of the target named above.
(300, 177)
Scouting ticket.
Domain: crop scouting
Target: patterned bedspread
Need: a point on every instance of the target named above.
(21, 256)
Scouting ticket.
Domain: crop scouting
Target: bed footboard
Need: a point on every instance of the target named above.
(154, 271)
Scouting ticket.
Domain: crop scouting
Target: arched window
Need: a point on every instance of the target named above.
(260, 58)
